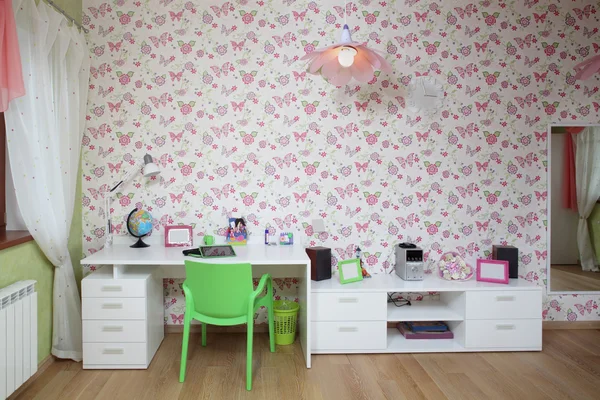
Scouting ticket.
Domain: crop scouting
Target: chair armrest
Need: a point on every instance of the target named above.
(264, 280)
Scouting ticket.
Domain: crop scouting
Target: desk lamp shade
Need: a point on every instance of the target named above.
(150, 168)
(587, 68)
(346, 60)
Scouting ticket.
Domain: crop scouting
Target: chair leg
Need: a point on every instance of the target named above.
(271, 317)
(203, 334)
(249, 353)
(184, 348)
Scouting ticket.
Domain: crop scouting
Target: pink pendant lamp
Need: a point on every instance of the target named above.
(346, 60)
(587, 68)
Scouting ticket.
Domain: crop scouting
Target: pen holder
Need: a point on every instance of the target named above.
(286, 238)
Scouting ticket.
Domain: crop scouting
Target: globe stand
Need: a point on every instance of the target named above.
(139, 244)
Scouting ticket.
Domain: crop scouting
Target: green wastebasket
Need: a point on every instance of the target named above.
(286, 316)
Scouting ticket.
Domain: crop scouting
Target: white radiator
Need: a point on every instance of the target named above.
(18, 335)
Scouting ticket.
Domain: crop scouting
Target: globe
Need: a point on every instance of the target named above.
(139, 224)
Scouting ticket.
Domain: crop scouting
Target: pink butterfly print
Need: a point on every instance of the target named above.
(222, 192)
(596, 47)
(482, 167)
(114, 107)
(116, 229)
(541, 136)
(362, 227)
(299, 76)
(481, 106)
(422, 136)
(540, 77)
(411, 182)
(99, 11)
(466, 191)
(115, 167)
(164, 159)
(541, 255)
(345, 131)
(346, 253)
(530, 63)
(176, 16)
(531, 240)
(589, 306)
(405, 41)
(238, 167)
(238, 106)
(159, 101)
(466, 131)
(101, 70)
(420, 17)
(175, 76)
(287, 221)
(529, 99)
(348, 191)
(300, 197)
(470, 92)
(401, 101)
(224, 131)
(103, 32)
(100, 131)
(596, 106)
(409, 160)
(529, 181)
(351, 213)
(98, 193)
(541, 195)
(470, 32)
(470, 249)
(102, 152)
(422, 197)
(225, 8)
(115, 46)
(340, 11)
(287, 160)
(586, 12)
(472, 152)
(540, 18)
(177, 319)
(468, 70)
(362, 106)
(410, 220)
(238, 46)
(526, 41)
(360, 166)
(176, 198)
(287, 99)
(300, 136)
(224, 69)
(176, 137)
(468, 11)
(157, 41)
(299, 16)
(482, 226)
(527, 160)
(412, 122)
(588, 92)
(528, 219)
(280, 40)
(481, 46)
(530, 277)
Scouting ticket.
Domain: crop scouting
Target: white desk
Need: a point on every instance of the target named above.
(279, 261)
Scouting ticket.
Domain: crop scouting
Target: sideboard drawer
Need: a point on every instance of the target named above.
(340, 335)
(114, 353)
(111, 331)
(113, 288)
(349, 306)
(504, 305)
(516, 333)
(113, 308)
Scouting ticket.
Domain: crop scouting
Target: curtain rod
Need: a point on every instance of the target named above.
(63, 12)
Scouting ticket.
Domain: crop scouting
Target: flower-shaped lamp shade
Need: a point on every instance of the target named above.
(346, 60)
(587, 68)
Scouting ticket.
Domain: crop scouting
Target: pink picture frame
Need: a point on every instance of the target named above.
(493, 271)
(179, 236)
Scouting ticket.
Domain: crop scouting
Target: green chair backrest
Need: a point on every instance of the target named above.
(219, 290)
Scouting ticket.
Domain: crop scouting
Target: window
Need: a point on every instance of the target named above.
(12, 228)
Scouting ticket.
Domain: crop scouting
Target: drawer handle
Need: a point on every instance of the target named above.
(112, 351)
(348, 300)
(115, 328)
(348, 329)
(112, 306)
(505, 327)
(112, 288)
(505, 298)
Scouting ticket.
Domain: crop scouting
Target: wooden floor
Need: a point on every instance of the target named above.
(568, 368)
(571, 278)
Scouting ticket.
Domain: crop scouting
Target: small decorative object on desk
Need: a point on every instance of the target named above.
(236, 232)
(350, 270)
(365, 273)
(453, 267)
(178, 236)
(286, 238)
(139, 224)
(494, 271)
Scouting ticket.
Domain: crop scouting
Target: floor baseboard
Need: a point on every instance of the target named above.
(571, 325)
(42, 367)
(195, 328)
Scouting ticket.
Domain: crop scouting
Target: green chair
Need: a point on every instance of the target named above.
(221, 294)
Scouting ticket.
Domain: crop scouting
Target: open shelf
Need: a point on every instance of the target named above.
(398, 343)
(423, 311)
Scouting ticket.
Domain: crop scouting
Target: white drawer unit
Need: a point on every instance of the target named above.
(357, 318)
(122, 318)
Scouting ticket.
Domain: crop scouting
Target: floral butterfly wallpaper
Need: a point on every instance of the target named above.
(217, 93)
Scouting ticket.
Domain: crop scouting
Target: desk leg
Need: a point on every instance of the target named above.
(118, 271)
(304, 315)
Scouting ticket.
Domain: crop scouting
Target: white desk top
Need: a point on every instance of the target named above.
(257, 254)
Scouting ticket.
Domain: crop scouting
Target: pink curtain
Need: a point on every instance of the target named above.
(570, 193)
(11, 76)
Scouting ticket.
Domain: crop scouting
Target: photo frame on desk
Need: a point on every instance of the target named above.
(179, 236)
(350, 270)
(493, 271)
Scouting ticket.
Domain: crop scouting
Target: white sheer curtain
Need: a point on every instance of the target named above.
(44, 130)
(587, 180)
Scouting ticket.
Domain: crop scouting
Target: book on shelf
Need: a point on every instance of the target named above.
(428, 326)
(408, 333)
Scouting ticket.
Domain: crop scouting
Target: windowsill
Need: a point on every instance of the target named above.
(14, 238)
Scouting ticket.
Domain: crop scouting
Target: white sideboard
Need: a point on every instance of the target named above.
(357, 317)
(123, 319)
